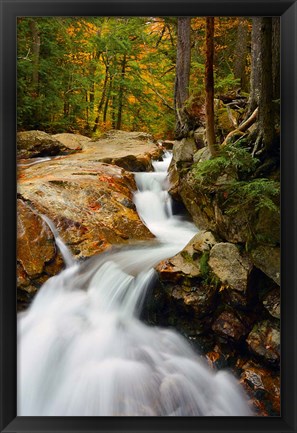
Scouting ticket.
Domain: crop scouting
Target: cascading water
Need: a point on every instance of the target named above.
(82, 349)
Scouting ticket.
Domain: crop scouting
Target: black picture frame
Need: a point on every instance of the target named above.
(9, 10)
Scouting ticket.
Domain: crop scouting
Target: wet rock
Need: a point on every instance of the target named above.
(183, 297)
(37, 256)
(174, 180)
(167, 144)
(86, 201)
(271, 302)
(134, 163)
(228, 325)
(197, 299)
(264, 341)
(34, 240)
(177, 268)
(32, 144)
(263, 387)
(203, 241)
(216, 360)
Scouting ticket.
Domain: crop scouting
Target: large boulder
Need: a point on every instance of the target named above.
(132, 151)
(37, 255)
(32, 144)
(90, 203)
(230, 266)
(72, 141)
(183, 150)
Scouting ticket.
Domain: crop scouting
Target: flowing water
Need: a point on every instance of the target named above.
(82, 349)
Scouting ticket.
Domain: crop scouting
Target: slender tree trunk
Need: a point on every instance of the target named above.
(106, 105)
(266, 117)
(113, 112)
(240, 53)
(121, 93)
(276, 57)
(102, 99)
(255, 71)
(36, 54)
(183, 62)
(209, 87)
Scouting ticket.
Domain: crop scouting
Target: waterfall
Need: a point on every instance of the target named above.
(82, 350)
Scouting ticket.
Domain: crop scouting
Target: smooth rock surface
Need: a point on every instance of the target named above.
(32, 144)
(230, 266)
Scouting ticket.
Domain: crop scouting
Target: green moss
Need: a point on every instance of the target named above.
(187, 256)
(205, 272)
(204, 266)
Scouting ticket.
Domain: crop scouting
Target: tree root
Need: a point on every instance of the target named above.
(243, 127)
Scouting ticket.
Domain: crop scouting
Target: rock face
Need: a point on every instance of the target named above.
(37, 256)
(32, 144)
(230, 266)
(210, 210)
(90, 203)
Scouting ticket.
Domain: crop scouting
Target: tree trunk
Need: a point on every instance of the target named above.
(209, 87)
(107, 100)
(255, 72)
(266, 118)
(101, 103)
(276, 57)
(121, 93)
(182, 77)
(36, 54)
(240, 53)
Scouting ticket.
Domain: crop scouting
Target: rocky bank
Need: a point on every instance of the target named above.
(223, 290)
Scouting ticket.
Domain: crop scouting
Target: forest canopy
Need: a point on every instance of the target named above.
(92, 74)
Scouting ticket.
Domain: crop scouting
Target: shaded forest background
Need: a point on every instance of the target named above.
(92, 74)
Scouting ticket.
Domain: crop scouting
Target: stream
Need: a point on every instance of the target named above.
(82, 350)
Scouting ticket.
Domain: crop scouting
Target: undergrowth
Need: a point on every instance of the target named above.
(240, 191)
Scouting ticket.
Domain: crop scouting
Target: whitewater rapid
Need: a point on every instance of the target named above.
(82, 350)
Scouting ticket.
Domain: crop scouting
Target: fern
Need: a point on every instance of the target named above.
(259, 193)
(234, 160)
